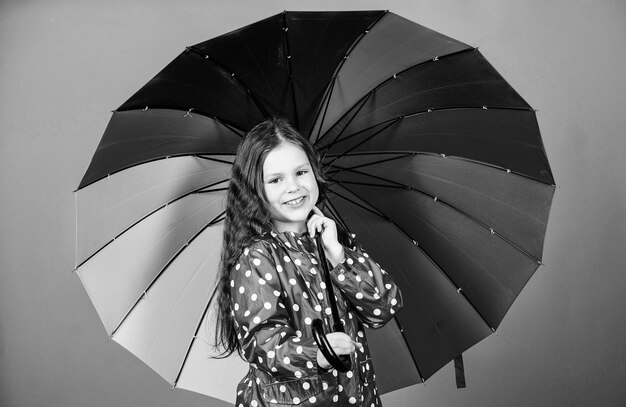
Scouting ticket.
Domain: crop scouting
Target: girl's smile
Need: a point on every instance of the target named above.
(290, 187)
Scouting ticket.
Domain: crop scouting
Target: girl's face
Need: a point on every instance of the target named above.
(290, 187)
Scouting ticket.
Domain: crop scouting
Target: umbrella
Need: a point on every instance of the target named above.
(435, 162)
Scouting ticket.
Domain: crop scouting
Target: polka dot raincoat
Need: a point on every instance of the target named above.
(277, 290)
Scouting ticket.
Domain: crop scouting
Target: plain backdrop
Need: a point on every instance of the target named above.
(64, 65)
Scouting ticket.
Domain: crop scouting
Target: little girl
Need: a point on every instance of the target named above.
(271, 286)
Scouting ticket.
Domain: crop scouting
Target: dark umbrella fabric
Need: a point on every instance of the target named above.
(435, 162)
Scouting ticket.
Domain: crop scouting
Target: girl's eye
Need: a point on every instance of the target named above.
(273, 181)
(302, 172)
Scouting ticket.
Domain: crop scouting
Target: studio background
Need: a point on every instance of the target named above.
(65, 64)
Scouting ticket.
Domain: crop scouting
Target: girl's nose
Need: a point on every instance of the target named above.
(292, 185)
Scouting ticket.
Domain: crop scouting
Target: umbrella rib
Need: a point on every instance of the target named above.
(333, 80)
(290, 70)
(232, 74)
(195, 336)
(336, 214)
(425, 253)
(215, 220)
(188, 154)
(361, 104)
(195, 191)
(402, 186)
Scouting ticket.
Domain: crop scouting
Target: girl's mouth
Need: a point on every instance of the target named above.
(295, 202)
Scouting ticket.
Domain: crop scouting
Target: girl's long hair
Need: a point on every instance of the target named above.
(247, 215)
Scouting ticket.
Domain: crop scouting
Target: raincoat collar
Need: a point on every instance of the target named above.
(294, 241)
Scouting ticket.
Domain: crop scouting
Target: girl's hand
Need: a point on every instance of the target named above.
(318, 223)
(341, 343)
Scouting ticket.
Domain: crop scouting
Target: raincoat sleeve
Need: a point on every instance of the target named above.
(368, 287)
(267, 337)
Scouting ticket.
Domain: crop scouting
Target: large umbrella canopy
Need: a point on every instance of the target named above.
(434, 161)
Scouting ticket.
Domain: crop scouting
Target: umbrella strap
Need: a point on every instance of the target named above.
(459, 370)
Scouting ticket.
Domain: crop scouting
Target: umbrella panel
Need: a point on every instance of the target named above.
(106, 209)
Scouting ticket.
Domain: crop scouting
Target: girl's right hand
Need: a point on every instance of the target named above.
(341, 343)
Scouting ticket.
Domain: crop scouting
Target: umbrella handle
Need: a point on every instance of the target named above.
(341, 363)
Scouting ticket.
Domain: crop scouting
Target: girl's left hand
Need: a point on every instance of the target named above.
(326, 226)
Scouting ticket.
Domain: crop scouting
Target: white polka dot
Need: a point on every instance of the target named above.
(298, 374)
(254, 403)
(256, 262)
(359, 295)
(310, 365)
(312, 399)
(271, 354)
(287, 259)
(253, 297)
(299, 349)
(236, 307)
(320, 296)
(248, 273)
(238, 266)
(297, 262)
(313, 271)
(282, 388)
(276, 293)
(267, 305)
(335, 398)
(394, 301)
(388, 286)
(307, 321)
(306, 386)
(323, 285)
(286, 360)
(232, 283)
(352, 400)
(377, 311)
(350, 374)
(313, 261)
(361, 260)
(268, 276)
(350, 261)
(341, 277)
(245, 314)
(261, 281)
(305, 295)
(292, 281)
(241, 290)
(324, 385)
(340, 388)
(246, 251)
(369, 272)
(279, 268)
(296, 400)
(296, 307)
(318, 308)
(256, 320)
(359, 279)
(328, 311)
(392, 311)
